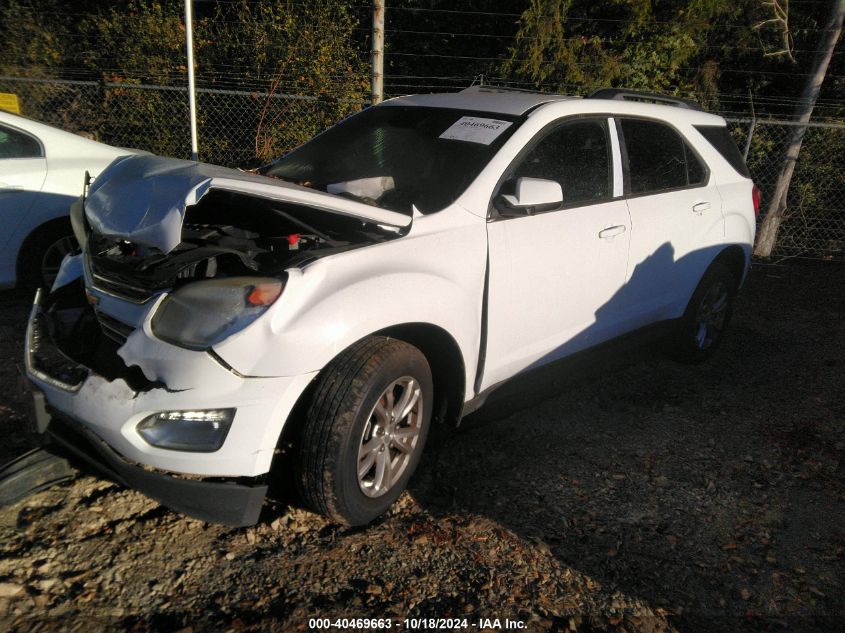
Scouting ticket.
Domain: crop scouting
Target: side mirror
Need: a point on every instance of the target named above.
(530, 196)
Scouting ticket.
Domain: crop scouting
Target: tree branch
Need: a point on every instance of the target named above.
(781, 23)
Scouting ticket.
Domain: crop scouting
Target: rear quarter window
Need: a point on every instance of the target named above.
(15, 144)
(719, 137)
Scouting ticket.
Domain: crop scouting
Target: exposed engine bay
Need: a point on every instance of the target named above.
(223, 235)
(227, 234)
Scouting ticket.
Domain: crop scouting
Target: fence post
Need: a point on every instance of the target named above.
(377, 83)
(751, 129)
(102, 96)
(192, 96)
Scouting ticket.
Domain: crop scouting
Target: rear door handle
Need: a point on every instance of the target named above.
(700, 207)
(612, 231)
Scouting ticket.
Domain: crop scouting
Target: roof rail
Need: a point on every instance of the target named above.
(490, 88)
(622, 94)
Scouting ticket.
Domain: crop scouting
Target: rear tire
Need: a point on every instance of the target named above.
(365, 430)
(700, 331)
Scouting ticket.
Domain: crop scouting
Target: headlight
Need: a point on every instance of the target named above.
(204, 313)
(198, 431)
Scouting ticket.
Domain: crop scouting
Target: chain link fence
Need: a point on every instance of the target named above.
(814, 222)
(243, 128)
(235, 127)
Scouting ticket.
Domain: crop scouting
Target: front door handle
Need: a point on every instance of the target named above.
(612, 231)
(700, 207)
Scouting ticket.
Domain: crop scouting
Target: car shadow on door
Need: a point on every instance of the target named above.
(599, 457)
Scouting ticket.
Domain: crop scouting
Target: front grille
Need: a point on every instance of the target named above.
(118, 331)
(107, 275)
(121, 290)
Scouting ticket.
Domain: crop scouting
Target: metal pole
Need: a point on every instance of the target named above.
(192, 89)
(377, 83)
(751, 129)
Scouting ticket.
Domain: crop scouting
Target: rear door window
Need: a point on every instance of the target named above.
(658, 158)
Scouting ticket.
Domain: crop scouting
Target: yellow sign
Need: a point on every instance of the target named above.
(9, 102)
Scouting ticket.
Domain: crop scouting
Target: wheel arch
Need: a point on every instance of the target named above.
(735, 259)
(446, 361)
(447, 370)
(33, 237)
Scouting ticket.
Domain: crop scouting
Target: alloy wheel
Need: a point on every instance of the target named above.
(711, 315)
(390, 437)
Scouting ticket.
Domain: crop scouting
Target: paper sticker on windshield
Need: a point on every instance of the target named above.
(476, 130)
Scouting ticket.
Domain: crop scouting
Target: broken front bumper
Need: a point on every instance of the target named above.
(227, 502)
(97, 418)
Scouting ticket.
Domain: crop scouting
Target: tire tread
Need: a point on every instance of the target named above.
(329, 416)
(679, 346)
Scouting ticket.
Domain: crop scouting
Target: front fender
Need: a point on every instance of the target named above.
(435, 278)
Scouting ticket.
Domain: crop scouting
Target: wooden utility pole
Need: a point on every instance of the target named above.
(377, 83)
(777, 206)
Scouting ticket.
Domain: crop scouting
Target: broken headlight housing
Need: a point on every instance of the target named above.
(202, 314)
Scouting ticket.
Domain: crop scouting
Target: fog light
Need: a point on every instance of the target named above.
(199, 431)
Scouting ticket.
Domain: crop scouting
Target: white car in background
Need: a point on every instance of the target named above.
(42, 170)
(391, 272)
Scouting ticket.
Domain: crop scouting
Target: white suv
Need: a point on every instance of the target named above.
(387, 274)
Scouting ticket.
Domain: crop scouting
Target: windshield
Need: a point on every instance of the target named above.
(394, 157)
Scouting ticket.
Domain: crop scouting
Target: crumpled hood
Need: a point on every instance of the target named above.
(143, 198)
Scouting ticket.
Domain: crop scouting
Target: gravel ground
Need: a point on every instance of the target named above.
(632, 494)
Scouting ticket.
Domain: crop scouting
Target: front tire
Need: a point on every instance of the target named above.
(701, 329)
(365, 429)
(42, 254)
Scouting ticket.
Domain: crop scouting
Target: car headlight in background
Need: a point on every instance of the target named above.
(204, 313)
(202, 431)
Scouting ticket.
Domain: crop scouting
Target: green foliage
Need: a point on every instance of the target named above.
(280, 47)
(305, 47)
(660, 45)
(33, 41)
(139, 42)
(142, 39)
(290, 48)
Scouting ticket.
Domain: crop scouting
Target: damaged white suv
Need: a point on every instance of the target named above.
(387, 274)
